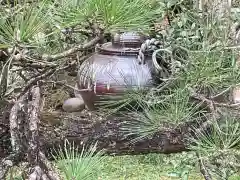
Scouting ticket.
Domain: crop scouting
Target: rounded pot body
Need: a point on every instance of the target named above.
(112, 70)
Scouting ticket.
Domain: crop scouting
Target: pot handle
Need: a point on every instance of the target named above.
(154, 58)
(176, 63)
(149, 44)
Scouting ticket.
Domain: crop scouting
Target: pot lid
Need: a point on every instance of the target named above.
(127, 43)
(128, 39)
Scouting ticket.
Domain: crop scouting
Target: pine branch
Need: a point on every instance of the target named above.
(40, 167)
(72, 50)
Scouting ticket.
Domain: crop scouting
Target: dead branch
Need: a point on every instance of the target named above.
(36, 173)
(233, 106)
(47, 166)
(84, 128)
(34, 64)
(222, 93)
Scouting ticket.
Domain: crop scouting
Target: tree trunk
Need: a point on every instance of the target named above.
(85, 128)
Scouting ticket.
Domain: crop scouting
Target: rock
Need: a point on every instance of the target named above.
(73, 105)
(236, 95)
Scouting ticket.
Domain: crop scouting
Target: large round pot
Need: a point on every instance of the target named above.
(114, 68)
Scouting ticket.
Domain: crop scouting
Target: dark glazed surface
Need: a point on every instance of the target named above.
(111, 74)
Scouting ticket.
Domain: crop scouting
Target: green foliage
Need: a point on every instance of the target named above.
(211, 71)
(21, 25)
(223, 136)
(219, 147)
(168, 111)
(149, 166)
(128, 101)
(39, 24)
(74, 165)
(182, 166)
(109, 14)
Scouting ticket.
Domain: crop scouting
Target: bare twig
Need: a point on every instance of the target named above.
(84, 32)
(221, 93)
(33, 81)
(34, 64)
(226, 162)
(213, 104)
(167, 84)
(236, 105)
(45, 59)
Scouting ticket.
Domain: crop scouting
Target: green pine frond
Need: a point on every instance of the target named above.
(170, 111)
(79, 165)
(110, 14)
(224, 135)
(23, 24)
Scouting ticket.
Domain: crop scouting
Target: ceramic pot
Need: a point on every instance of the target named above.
(114, 68)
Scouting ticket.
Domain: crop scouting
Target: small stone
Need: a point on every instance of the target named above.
(236, 95)
(73, 105)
